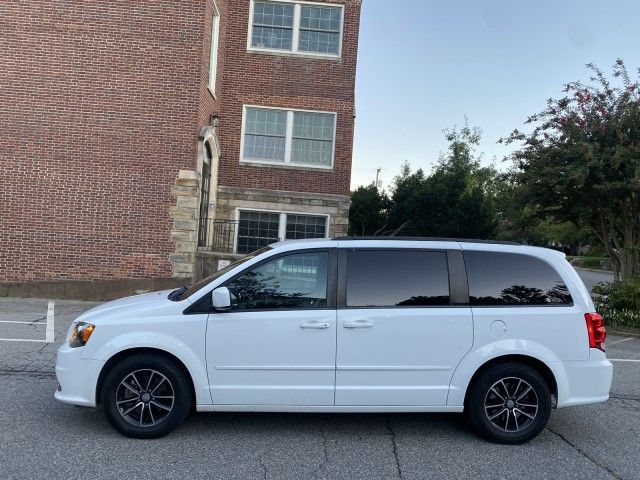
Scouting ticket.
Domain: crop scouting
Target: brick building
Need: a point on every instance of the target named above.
(146, 141)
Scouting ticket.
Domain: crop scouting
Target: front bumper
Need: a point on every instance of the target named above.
(77, 377)
(586, 381)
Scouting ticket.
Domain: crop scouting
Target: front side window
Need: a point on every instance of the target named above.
(497, 278)
(293, 281)
(304, 28)
(400, 278)
(292, 137)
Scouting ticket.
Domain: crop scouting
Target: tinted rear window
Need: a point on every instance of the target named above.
(513, 279)
(397, 278)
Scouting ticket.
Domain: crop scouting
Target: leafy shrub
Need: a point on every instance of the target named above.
(618, 302)
(592, 262)
(589, 262)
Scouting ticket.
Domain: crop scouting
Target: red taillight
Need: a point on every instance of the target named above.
(597, 332)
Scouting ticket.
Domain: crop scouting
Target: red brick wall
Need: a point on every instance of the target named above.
(100, 105)
(99, 109)
(208, 104)
(292, 82)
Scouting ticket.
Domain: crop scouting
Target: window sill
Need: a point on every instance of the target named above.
(287, 53)
(286, 166)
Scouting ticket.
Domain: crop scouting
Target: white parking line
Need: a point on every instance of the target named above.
(23, 323)
(619, 341)
(49, 332)
(22, 340)
(633, 360)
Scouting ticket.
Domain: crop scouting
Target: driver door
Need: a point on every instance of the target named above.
(277, 344)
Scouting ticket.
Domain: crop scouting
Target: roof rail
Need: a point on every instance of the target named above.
(431, 239)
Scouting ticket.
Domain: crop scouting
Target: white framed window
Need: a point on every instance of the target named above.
(259, 228)
(279, 136)
(302, 28)
(213, 58)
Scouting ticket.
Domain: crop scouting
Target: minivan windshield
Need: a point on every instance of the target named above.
(188, 290)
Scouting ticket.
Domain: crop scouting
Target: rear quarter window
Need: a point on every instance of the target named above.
(497, 278)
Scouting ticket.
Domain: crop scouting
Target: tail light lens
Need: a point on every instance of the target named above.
(597, 332)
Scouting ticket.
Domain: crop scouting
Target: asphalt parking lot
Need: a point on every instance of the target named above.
(41, 438)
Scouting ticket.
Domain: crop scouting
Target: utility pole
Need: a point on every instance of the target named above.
(377, 176)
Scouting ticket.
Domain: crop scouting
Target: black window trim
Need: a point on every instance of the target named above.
(203, 305)
(521, 305)
(458, 289)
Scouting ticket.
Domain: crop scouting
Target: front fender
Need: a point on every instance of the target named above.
(476, 358)
(190, 356)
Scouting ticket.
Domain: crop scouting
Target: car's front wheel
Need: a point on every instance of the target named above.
(146, 396)
(509, 403)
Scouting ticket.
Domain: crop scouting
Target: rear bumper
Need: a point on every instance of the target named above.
(586, 381)
(77, 377)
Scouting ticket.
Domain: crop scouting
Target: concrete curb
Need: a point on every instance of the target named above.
(596, 270)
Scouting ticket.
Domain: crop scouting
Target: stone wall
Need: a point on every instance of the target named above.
(208, 263)
(336, 206)
(184, 231)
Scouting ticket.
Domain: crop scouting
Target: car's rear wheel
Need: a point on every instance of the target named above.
(146, 396)
(509, 403)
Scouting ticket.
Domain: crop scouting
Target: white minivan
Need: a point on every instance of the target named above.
(500, 331)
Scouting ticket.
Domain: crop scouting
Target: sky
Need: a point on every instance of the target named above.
(423, 65)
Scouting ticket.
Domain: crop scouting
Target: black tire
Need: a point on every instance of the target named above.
(516, 378)
(166, 385)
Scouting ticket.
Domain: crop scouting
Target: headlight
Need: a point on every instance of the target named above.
(80, 334)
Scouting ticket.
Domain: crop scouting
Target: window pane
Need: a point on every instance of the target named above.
(277, 38)
(377, 278)
(312, 152)
(265, 132)
(312, 141)
(319, 30)
(317, 126)
(263, 148)
(305, 226)
(295, 281)
(257, 230)
(264, 121)
(512, 279)
(320, 18)
(319, 42)
(273, 14)
(272, 25)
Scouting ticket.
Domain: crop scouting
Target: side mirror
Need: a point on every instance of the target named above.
(221, 299)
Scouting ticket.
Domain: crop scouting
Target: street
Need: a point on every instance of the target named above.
(41, 438)
(592, 277)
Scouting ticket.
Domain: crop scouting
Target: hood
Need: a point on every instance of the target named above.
(127, 305)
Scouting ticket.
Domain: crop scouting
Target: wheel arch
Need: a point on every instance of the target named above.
(130, 352)
(538, 365)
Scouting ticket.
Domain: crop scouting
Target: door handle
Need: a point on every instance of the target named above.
(314, 325)
(358, 324)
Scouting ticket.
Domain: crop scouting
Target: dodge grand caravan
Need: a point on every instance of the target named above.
(500, 331)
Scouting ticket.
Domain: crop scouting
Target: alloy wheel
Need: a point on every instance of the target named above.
(511, 404)
(145, 398)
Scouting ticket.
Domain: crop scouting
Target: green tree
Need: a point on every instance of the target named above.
(368, 212)
(581, 162)
(456, 200)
